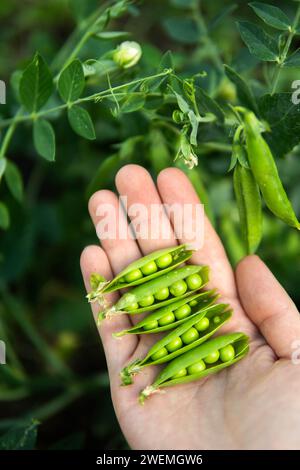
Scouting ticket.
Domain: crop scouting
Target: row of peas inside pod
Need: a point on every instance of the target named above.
(140, 271)
(191, 333)
(172, 292)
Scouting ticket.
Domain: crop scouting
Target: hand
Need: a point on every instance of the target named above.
(251, 405)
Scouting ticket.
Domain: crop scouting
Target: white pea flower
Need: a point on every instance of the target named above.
(127, 54)
(191, 160)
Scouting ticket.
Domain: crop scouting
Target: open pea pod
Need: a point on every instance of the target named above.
(170, 375)
(187, 336)
(132, 302)
(140, 271)
(186, 308)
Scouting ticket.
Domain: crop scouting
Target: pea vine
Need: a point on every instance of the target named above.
(186, 118)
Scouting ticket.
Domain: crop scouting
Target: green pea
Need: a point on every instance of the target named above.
(180, 373)
(194, 281)
(149, 268)
(133, 275)
(147, 301)
(159, 354)
(227, 353)
(132, 307)
(202, 324)
(178, 288)
(196, 368)
(217, 320)
(166, 319)
(151, 325)
(162, 294)
(190, 336)
(175, 344)
(193, 303)
(164, 261)
(182, 312)
(212, 357)
(122, 279)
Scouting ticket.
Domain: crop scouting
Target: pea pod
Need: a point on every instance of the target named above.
(265, 172)
(182, 369)
(140, 271)
(130, 301)
(198, 302)
(189, 335)
(249, 206)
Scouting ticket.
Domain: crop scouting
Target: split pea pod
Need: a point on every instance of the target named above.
(265, 172)
(206, 359)
(187, 336)
(249, 205)
(160, 291)
(172, 315)
(140, 271)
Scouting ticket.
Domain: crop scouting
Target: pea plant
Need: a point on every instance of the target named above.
(186, 117)
(187, 83)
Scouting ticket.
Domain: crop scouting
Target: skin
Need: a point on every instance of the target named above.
(217, 412)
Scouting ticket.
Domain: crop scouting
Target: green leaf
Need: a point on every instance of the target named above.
(227, 10)
(133, 103)
(44, 139)
(71, 82)
(184, 30)
(195, 124)
(36, 85)
(184, 3)
(104, 174)
(15, 81)
(293, 60)
(98, 67)
(183, 105)
(158, 151)
(259, 43)
(81, 122)
(109, 35)
(14, 180)
(4, 224)
(3, 162)
(20, 437)
(271, 15)
(167, 62)
(209, 104)
(283, 118)
(243, 90)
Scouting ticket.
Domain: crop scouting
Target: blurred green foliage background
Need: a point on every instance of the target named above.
(56, 370)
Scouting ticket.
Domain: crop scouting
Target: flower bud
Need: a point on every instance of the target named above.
(127, 54)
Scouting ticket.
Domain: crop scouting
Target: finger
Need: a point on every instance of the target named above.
(268, 305)
(113, 231)
(93, 259)
(175, 187)
(148, 217)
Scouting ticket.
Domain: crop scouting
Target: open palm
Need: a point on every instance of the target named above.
(252, 405)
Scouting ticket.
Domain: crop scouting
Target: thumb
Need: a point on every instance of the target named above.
(268, 305)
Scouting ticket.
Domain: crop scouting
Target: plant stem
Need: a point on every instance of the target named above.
(96, 96)
(9, 133)
(88, 25)
(17, 312)
(60, 60)
(285, 51)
